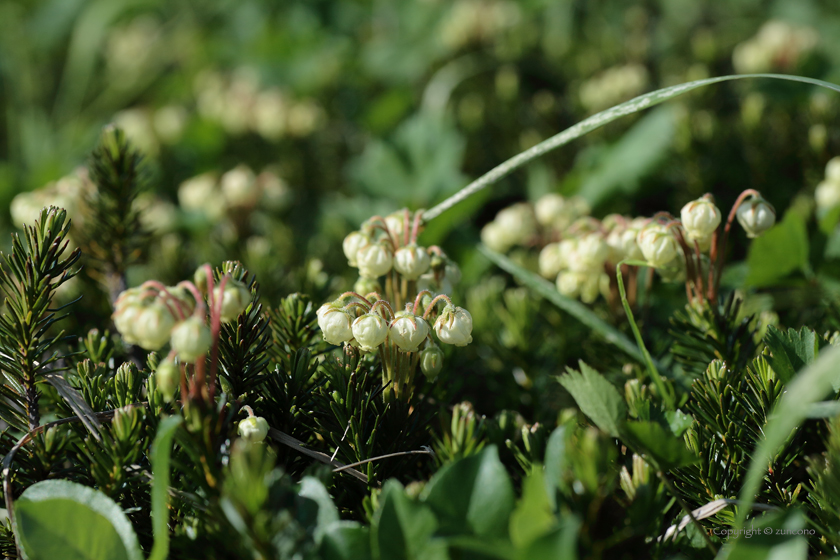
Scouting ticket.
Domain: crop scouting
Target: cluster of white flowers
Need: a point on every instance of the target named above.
(520, 224)
(152, 314)
(474, 21)
(827, 195)
(388, 247)
(368, 323)
(69, 193)
(581, 255)
(778, 45)
(149, 128)
(613, 86)
(240, 105)
(235, 191)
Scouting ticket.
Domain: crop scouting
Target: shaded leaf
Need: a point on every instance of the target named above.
(791, 350)
(659, 443)
(778, 252)
(533, 515)
(62, 519)
(596, 397)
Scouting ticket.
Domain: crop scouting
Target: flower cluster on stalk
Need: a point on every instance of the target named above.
(396, 322)
(152, 315)
(581, 253)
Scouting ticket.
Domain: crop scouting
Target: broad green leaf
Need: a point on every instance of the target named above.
(345, 540)
(161, 449)
(596, 397)
(635, 155)
(472, 496)
(561, 542)
(777, 253)
(555, 463)
(791, 350)
(401, 528)
(62, 519)
(312, 488)
(765, 544)
(571, 306)
(660, 444)
(596, 121)
(809, 386)
(533, 515)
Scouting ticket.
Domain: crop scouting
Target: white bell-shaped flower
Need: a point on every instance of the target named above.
(657, 244)
(411, 261)
(370, 330)
(191, 339)
(335, 325)
(700, 218)
(408, 331)
(354, 241)
(454, 326)
(756, 216)
(374, 260)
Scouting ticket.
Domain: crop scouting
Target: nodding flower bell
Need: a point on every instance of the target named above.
(454, 326)
(351, 245)
(657, 244)
(756, 216)
(191, 339)
(431, 361)
(590, 254)
(374, 260)
(700, 218)
(253, 429)
(411, 261)
(551, 261)
(235, 299)
(408, 331)
(370, 330)
(153, 326)
(550, 209)
(335, 324)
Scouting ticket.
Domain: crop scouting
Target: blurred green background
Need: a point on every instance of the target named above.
(348, 108)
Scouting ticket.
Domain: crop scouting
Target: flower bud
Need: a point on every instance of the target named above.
(335, 325)
(495, 238)
(832, 170)
(408, 331)
(591, 253)
(827, 195)
(351, 245)
(700, 218)
(125, 319)
(191, 339)
(370, 330)
(551, 261)
(431, 361)
(253, 429)
(239, 187)
(657, 244)
(517, 222)
(153, 326)
(550, 209)
(454, 326)
(367, 285)
(622, 242)
(235, 299)
(374, 260)
(167, 378)
(411, 261)
(395, 225)
(569, 283)
(756, 216)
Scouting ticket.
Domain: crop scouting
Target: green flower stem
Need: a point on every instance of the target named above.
(660, 385)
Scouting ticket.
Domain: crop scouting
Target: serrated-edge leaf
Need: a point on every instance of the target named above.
(596, 397)
(85, 496)
(658, 442)
(571, 306)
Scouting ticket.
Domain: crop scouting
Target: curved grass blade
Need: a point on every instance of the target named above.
(809, 386)
(161, 449)
(573, 307)
(596, 121)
